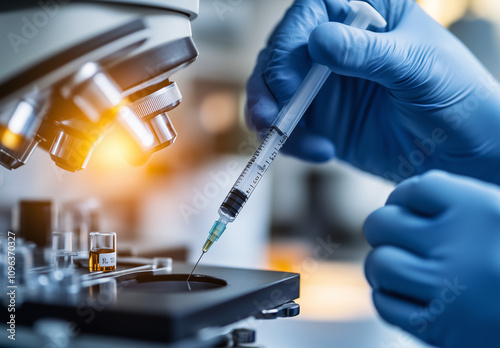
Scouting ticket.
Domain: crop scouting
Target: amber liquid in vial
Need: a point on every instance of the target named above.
(102, 260)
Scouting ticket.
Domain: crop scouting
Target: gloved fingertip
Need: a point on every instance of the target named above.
(285, 71)
(310, 148)
(378, 299)
(260, 115)
(428, 194)
(435, 174)
(323, 41)
(353, 52)
(368, 269)
(321, 154)
(371, 226)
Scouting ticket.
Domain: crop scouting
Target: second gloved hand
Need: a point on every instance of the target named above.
(435, 267)
(399, 102)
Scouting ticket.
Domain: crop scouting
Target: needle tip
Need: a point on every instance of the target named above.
(189, 277)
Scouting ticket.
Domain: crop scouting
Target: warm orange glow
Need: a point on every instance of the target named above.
(109, 174)
(108, 154)
(287, 256)
(448, 11)
(445, 11)
(489, 9)
(10, 139)
(109, 116)
(335, 292)
(218, 111)
(329, 291)
(117, 146)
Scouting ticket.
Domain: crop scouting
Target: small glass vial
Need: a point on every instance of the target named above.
(102, 254)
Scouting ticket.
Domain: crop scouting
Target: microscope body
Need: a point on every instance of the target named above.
(72, 72)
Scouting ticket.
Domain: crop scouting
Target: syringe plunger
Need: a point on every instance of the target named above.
(233, 202)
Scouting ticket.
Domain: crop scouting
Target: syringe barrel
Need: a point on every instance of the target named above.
(252, 173)
(291, 113)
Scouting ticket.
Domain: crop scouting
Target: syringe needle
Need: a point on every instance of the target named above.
(197, 262)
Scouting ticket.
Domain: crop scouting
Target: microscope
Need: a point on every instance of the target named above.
(71, 73)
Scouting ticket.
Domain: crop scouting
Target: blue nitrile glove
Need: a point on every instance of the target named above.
(417, 99)
(435, 269)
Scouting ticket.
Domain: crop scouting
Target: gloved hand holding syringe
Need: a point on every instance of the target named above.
(361, 16)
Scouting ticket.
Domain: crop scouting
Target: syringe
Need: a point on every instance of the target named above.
(361, 16)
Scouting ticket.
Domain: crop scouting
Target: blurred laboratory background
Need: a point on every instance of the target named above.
(303, 218)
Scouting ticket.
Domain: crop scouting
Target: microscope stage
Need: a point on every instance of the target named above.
(163, 307)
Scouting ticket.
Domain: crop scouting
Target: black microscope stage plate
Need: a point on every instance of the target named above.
(137, 308)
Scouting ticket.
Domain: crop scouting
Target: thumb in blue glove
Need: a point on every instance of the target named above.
(399, 103)
(435, 267)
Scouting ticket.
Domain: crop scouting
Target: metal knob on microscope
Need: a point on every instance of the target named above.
(153, 107)
(19, 122)
(73, 145)
(164, 131)
(101, 100)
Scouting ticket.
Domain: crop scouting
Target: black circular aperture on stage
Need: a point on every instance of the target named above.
(172, 283)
